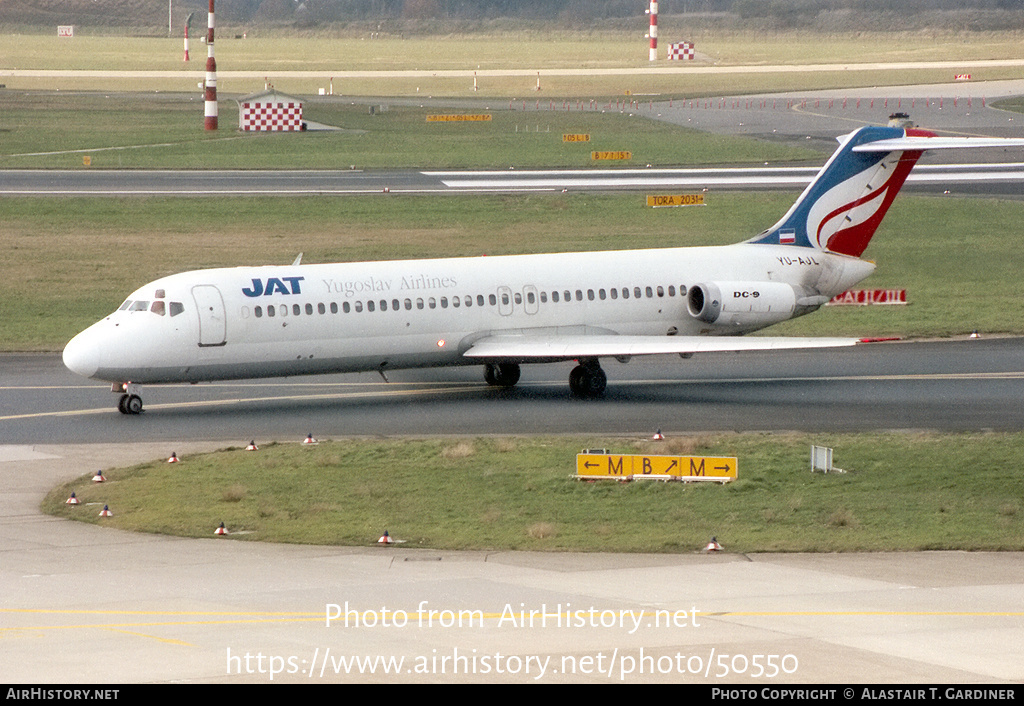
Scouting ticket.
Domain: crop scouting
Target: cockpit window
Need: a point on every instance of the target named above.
(177, 308)
(127, 303)
(139, 306)
(159, 308)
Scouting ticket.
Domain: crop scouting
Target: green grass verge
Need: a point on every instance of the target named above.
(903, 492)
(69, 262)
(166, 132)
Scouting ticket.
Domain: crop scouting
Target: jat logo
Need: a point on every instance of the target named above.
(274, 285)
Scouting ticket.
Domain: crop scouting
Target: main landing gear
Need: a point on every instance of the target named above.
(501, 374)
(586, 380)
(129, 402)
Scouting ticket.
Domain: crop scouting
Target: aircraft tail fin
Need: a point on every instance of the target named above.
(842, 207)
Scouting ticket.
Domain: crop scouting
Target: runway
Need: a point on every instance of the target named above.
(965, 385)
(992, 178)
(88, 605)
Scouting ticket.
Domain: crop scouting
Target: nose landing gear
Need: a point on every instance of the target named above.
(129, 402)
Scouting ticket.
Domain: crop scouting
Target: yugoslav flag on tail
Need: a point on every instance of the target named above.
(841, 209)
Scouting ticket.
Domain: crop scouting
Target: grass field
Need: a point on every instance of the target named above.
(46, 131)
(71, 261)
(903, 492)
(527, 51)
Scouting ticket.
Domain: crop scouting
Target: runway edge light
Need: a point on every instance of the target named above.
(221, 530)
(173, 458)
(105, 512)
(713, 545)
(73, 500)
(98, 478)
(385, 539)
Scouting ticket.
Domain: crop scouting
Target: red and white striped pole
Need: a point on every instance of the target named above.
(653, 12)
(210, 108)
(186, 42)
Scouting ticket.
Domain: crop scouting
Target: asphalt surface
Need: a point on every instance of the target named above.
(965, 385)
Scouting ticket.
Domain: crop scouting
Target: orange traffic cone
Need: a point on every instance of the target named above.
(713, 546)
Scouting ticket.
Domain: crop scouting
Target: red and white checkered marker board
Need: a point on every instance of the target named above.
(680, 51)
(271, 117)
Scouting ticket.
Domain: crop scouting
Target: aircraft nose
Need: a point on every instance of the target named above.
(81, 355)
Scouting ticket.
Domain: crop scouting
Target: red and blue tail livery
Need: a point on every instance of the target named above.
(844, 205)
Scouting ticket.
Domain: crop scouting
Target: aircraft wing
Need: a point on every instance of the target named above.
(538, 347)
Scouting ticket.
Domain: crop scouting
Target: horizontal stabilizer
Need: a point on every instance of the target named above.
(561, 347)
(936, 143)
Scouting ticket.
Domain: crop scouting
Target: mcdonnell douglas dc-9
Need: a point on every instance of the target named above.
(504, 312)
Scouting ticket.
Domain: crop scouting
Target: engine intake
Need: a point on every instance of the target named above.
(744, 304)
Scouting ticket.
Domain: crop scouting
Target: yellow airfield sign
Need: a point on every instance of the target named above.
(576, 137)
(482, 118)
(668, 200)
(617, 154)
(632, 466)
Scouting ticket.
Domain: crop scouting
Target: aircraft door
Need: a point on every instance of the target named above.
(213, 325)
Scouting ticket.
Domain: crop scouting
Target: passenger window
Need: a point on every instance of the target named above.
(271, 311)
(321, 309)
(650, 292)
(479, 299)
(256, 310)
(456, 303)
(671, 290)
(432, 303)
(334, 307)
(661, 291)
(601, 294)
(614, 292)
(396, 305)
(625, 292)
(590, 294)
(296, 309)
(579, 295)
(346, 307)
(444, 302)
(359, 307)
(309, 309)
(554, 297)
(370, 305)
(491, 298)
(543, 297)
(504, 299)
(419, 303)
(469, 300)
(408, 304)
(637, 293)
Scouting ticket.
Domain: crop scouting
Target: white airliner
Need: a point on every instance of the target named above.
(503, 312)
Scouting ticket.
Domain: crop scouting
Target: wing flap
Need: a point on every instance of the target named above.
(565, 347)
